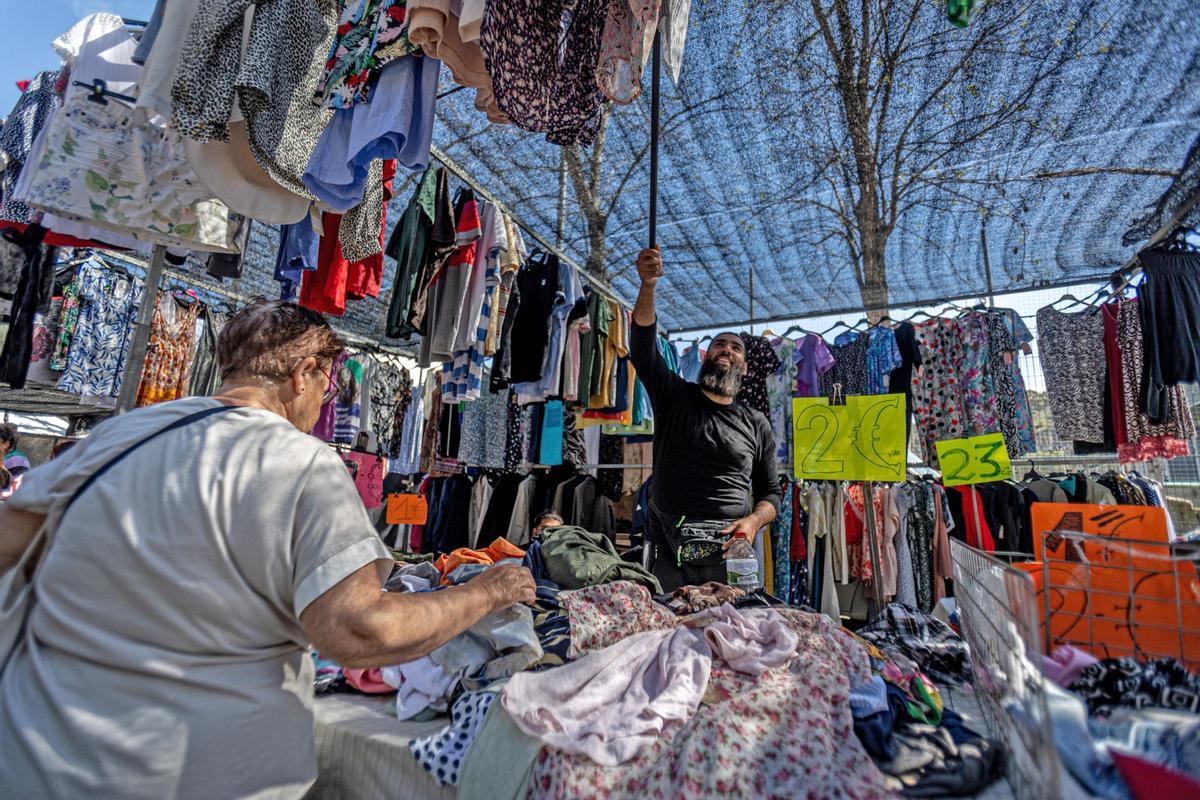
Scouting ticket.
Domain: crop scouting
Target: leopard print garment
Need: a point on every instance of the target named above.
(274, 81)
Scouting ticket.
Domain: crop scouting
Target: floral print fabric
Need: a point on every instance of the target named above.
(785, 733)
(849, 371)
(108, 301)
(1023, 416)
(625, 46)
(781, 542)
(609, 612)
(1002, 347)
(66, 331)
(937, 393)
(980, 401)
(98, 167)
(169, 352)
(370, 34)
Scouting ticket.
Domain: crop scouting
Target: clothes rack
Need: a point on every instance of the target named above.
(600, 285)
(737, 324)
(241, 298)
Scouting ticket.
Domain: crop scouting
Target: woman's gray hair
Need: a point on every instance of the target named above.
(267, 339)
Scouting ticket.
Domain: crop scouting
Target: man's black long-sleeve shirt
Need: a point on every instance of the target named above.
(711, 461)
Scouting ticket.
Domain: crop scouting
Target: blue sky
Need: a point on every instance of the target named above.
(28, 51)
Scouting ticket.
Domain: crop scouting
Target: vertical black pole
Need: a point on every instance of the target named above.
(655, 71)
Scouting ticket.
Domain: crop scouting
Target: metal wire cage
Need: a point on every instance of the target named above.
(1122, 597)
(1000, 617)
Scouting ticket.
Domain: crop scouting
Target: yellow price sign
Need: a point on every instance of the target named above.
(862, 440)
(979, 459)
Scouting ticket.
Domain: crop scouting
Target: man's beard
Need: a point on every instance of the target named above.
(721, 378)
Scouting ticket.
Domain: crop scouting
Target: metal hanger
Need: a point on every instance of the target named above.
(1088, 301)
(835, 326)
(921, 313)
(798, 329)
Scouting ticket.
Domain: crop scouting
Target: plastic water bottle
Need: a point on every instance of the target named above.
(741, 563)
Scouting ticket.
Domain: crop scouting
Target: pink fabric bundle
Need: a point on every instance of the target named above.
(749, 641)
(1064, 664)
(614, 703)
(367, 681)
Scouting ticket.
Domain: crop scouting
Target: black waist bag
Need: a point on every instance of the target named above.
(698, 549)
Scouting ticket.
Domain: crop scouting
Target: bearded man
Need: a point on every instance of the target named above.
(714, 459)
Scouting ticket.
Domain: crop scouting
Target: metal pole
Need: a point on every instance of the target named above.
(131, 379)
(987, 264)
(868, 488)
(655, 72)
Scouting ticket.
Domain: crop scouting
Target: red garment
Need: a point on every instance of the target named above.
(1149, 781)
(1116, 388)
(799, 547)
(335, 279)
(466, 238)
(417, 532)
(855, 527)
(53, 239)
(978, 533)
(366, 276)
(324, 289)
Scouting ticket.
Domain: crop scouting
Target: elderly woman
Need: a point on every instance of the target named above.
(165, 652)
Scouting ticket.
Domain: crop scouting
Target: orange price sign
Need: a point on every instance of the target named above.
(1111, 582)
(406, 509)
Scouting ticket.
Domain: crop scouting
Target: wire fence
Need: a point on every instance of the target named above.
(1000, 616)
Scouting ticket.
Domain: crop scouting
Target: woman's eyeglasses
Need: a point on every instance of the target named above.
(332, 388)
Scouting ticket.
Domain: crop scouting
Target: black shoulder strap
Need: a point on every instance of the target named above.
(179, 423)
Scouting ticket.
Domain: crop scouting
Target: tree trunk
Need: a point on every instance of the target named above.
(596, 257)
(874, 284)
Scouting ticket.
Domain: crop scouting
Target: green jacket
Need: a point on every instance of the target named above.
(576, 558)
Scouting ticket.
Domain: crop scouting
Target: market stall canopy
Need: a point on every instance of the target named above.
(870, 153)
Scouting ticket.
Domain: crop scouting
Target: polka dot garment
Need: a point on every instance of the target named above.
(442, 754)
(761, 363)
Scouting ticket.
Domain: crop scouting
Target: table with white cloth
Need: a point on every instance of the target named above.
(362, 751)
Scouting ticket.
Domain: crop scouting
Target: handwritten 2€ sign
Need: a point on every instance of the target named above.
(979, 459)
(860, 441)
